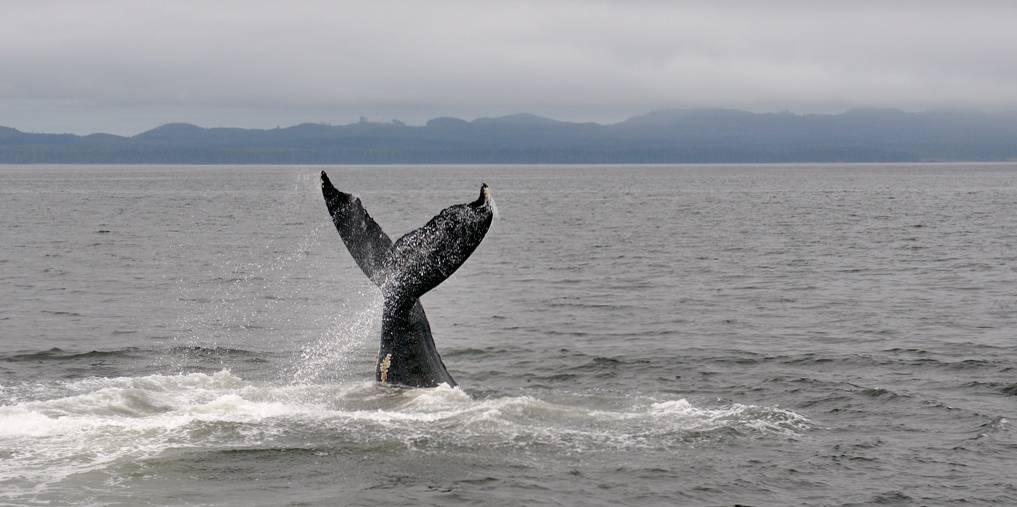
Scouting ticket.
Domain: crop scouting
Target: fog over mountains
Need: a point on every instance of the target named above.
(673, 136)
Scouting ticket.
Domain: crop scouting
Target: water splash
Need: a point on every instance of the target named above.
(494, 208)
(223, 309)
(98, 423)
(330, 356)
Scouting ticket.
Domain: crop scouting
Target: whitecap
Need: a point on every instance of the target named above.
(102, 421)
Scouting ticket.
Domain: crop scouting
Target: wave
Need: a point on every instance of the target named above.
(58, 354)
(103, 421)
(198, 350)
(910, 358)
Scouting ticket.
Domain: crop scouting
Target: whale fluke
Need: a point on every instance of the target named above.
(406, 270)
(363, 236)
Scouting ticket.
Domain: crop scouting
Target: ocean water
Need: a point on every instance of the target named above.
(647, 335)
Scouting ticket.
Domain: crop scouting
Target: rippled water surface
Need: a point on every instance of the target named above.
(764, 335)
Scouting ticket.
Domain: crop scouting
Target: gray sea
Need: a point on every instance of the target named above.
(625, 335)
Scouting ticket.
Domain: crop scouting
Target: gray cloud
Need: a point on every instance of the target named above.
(125, 66)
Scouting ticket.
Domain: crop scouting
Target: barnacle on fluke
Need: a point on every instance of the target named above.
(383, 367)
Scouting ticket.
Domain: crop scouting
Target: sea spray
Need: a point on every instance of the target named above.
(494, 208)
(352, 333)
(223, 311)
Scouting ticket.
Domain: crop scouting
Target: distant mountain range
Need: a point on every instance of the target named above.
(673, 136)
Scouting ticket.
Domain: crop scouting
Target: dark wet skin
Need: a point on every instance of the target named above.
(404, 271)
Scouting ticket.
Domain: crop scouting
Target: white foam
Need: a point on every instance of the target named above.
(101, 421)
(20, 421)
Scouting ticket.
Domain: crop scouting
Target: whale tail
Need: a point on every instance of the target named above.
(406, 270)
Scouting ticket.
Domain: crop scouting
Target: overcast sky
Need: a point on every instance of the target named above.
(127, 66)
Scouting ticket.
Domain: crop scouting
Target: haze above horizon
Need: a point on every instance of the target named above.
(123, 67)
